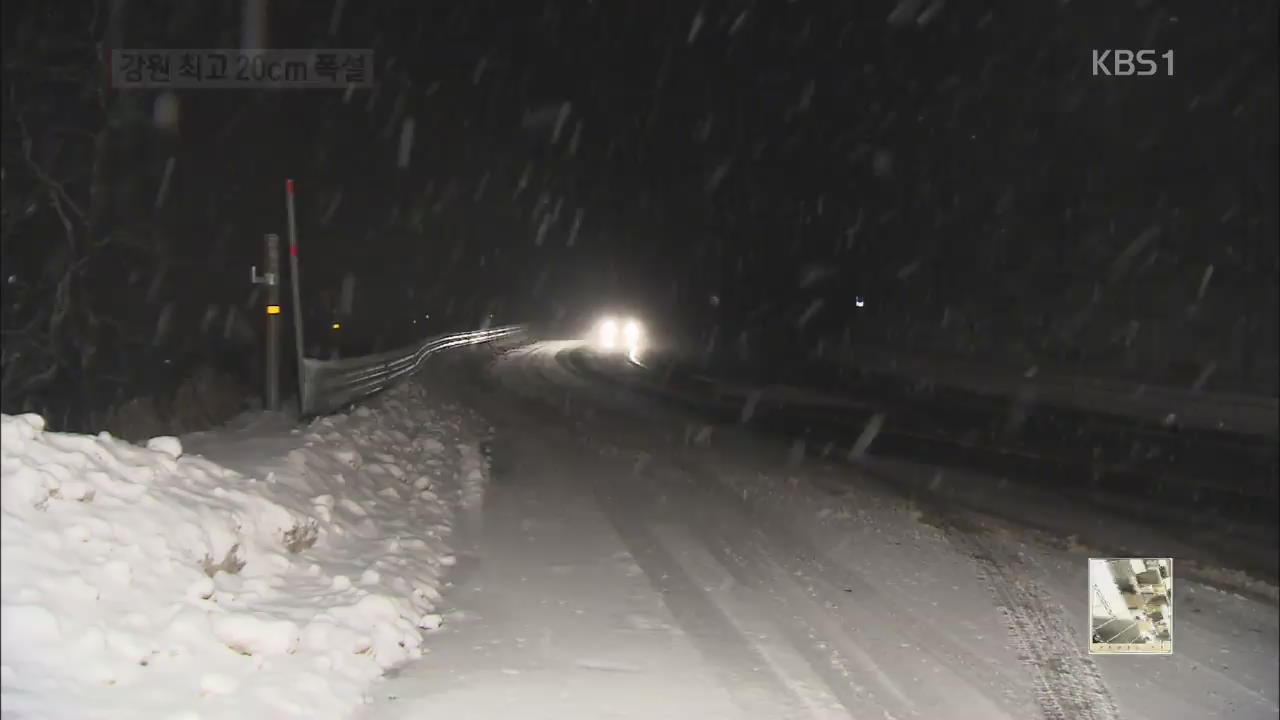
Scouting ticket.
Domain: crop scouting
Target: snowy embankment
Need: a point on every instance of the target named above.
(143, 582)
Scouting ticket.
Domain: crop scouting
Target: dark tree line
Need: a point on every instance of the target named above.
(967, 175)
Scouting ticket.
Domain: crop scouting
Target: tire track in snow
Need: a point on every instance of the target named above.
(837, 660)
(834, 666)
(827, 581)
(810, 594)
(1066, 682)
(752, 618)
(747, 675)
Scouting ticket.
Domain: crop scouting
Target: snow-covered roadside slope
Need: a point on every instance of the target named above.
(147, 582)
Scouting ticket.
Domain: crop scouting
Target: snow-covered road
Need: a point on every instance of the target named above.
(613, 558)
(628, 564)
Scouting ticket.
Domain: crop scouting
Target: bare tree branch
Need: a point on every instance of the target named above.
(57, 193)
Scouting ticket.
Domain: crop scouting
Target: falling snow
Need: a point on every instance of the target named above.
(406, 143)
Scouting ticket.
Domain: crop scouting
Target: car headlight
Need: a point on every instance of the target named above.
(634, 333)
(607, 333)
(619, 335)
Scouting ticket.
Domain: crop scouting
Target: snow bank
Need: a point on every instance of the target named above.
(141, 582)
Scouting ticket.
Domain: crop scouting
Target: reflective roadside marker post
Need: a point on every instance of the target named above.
(297, 294)
(273, 321)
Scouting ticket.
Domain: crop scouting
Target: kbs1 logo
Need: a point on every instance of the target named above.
(1131, 62)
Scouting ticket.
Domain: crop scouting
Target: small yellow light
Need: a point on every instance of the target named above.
(337, 326)
(273, 309)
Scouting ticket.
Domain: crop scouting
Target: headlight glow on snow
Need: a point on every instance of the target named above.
(620, 335)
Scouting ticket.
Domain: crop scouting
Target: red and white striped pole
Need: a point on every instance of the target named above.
(297, 295)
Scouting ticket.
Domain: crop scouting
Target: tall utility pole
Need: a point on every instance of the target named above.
(271, 278)
(273, 321)
(297, 296)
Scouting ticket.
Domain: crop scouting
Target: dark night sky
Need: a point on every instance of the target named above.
(943, 159)
(729, 158)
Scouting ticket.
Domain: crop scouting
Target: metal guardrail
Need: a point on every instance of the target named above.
(1232, 412)
(331, 384)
